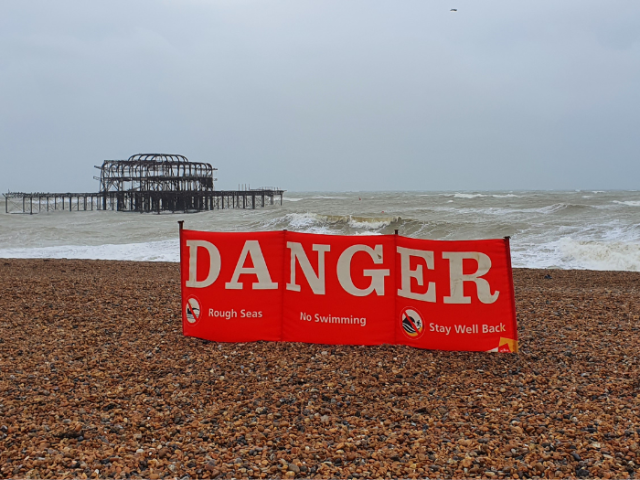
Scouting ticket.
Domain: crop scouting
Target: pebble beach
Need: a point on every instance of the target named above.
(97, 381)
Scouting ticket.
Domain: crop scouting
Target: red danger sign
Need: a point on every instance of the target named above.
(363, 290)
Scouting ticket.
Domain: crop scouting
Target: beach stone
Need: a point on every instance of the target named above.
(75, 362)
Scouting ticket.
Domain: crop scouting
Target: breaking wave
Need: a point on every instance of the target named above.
(599, 230)
(332, 224)
(569, 253)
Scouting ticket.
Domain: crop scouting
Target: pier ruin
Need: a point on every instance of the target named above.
(147, 183)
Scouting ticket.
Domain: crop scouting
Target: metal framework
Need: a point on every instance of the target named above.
(147, 182)
(155, 172)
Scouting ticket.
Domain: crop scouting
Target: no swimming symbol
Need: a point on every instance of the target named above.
(412, 323)
(192, 310)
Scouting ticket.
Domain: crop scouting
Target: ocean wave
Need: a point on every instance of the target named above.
(630, 203)
(600, 255)
(497, 210)
(549, 209)
(578, 253)
(548, 229)
(369, 223)
(309, 222)
(375, 223)
(557, 207)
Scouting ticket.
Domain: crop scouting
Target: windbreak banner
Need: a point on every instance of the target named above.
(358, 290)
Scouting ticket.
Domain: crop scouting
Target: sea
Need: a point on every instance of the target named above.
(584, 229)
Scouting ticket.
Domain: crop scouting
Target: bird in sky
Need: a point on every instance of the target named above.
(453, 10)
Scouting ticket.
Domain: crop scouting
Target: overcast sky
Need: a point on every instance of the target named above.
(324, 94)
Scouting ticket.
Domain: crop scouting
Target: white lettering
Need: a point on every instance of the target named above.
(434, 327)
(214, 263)
(377, 276)
(350, 320)
(316, 282)
(494, 328)
(252, 248)
(457, 278)
(407, 274)
(223, 313)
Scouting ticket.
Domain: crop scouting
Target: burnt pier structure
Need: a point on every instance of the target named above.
(147, 183)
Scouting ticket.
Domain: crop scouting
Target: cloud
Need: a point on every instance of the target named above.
(324, 95)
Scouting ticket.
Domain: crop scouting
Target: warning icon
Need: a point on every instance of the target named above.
(192, 310)
(412, 323)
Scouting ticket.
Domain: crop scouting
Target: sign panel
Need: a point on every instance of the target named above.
(361, 290)
(231, 285)
(455, 295)
(339, 290)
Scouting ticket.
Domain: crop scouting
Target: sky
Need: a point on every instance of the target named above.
(325, 95)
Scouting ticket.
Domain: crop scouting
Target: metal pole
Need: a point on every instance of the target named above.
(180, 228)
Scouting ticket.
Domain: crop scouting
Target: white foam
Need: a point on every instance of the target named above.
(303, 221)
(371, 223)
(574, 253)
(600, 255)
(291, 199)
(468, 195)
(160, 251)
